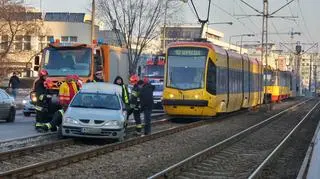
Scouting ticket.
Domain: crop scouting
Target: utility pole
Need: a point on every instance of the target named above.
(310, 72)
(93, 20)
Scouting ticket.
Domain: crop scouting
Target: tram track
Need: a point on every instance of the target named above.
(34, 167)
(238, 155)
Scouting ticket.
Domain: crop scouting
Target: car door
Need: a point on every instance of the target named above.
(2, 106)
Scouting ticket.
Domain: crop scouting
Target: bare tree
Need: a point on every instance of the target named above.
(14, 21)
(138, 21)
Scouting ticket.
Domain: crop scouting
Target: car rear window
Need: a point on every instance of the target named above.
(94, 100)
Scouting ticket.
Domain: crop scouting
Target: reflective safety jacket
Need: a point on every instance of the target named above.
(64, 92)
(135, 98)
(125, 94)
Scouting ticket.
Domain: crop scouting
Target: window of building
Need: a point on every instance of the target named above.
(4, 42)
(18, 37)
(49, 38)
(73, 39)
(64, 39)
(18, 46)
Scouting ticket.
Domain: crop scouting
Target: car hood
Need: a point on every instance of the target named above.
(94, 114)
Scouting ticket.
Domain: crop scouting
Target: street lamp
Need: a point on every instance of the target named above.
(237, 42)
(165, 21)
(241, 35)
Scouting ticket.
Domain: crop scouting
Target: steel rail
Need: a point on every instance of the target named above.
(258, 171)
(175, 169)
(56, 144)
(33, 169)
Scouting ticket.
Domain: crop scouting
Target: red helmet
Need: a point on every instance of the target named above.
(76, 77)
(43, 72)
(69, 77)
(145, 80)
(134, 79)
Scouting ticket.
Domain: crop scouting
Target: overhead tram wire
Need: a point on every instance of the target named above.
(298, 25)
(242, 23)
(276, 30)
(247, 14)
(303, 19)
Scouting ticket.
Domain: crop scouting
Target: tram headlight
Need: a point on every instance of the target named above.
(196, 96)
(171, 95)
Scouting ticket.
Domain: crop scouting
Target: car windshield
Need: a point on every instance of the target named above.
(96, 100)
(186, 67)
(64, 61)
(154, 71)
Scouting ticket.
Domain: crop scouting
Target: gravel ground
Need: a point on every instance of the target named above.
(80, 145)
(288, 163)
(241, 158)
(143, 160)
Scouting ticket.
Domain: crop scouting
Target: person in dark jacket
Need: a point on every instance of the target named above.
(125, 94)
(56, 120)
(14, 83)
(42, 102)
(146, 99)
(135, 106)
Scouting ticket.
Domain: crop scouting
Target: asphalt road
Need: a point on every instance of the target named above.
(22, 127)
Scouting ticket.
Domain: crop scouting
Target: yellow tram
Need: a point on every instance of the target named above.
(202, 79)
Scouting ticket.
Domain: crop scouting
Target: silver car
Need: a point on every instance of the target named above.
(7, 107)
(96, 111)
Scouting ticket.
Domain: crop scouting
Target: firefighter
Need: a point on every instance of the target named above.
(67, 90)
(135, 103)
(146, 100)
(56, 120)
(41, 93)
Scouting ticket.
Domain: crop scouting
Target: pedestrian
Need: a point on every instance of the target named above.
(14, 83)
(146, 99)
(56, 120)
(98, 77)
(125, 94)
(41, 103)
(135, 104)
(67, 90)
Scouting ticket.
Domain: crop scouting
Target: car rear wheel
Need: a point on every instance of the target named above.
(12, 115)
(27, 114)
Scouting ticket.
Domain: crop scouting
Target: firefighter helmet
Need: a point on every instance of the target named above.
(69, 77)
(134, 79)
(43, 72)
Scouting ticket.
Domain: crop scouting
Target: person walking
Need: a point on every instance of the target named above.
(146, 99)
(67, 90)
(14, 83)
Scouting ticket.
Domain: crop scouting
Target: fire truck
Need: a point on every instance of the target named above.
(62, 59)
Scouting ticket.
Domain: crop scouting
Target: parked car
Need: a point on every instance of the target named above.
(28, 107)
(96, 111)
(7, 107)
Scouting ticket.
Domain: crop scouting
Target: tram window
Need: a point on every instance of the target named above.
(211, 77)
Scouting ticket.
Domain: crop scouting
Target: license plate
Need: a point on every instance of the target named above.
(91, 130)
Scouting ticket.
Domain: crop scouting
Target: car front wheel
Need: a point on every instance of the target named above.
(12, 115)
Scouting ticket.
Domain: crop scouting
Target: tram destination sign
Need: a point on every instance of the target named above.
(187, 51)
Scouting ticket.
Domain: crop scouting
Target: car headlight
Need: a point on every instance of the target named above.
(24, 101)
(113, 124)
(69, 120)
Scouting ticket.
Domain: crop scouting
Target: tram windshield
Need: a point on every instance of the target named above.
(186, 67)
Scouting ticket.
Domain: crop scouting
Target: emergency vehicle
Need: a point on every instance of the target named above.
(62, 59)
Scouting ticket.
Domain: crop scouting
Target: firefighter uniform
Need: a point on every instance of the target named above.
(56, 121)
(43, 100)
(67, 91)
(135, 105)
